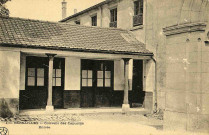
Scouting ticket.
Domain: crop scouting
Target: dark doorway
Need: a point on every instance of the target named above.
(96, 83)
(35, 94)
(36, 85)
(137, 95)
(58, 82)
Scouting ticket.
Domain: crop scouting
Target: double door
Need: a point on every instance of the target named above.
(96, 83)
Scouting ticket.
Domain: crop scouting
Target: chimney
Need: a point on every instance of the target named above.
(64, 9)
(75, 11)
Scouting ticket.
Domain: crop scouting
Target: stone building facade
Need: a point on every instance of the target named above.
(177, 33)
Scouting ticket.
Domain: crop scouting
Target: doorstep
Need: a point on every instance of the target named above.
(83, 111)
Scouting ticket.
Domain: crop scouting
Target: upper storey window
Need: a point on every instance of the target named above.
(94, 20)
(113, 17)
(138, 13)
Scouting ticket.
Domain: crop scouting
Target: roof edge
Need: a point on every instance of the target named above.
(85, 10)
(44, 21)
(75, 49)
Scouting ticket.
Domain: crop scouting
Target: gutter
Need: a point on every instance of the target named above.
(76, 49)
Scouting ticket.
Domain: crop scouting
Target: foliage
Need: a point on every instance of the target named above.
(5, 112)
(3, 1)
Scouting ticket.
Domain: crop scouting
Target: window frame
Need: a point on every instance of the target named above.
(87, 78)
(102, 67)
(35, 77)
(94, 20)
(113, 14)
(138, 6)
(54, 76)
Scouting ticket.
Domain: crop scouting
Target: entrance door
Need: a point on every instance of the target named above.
(104, 83)
(87, 83)
(97, 83)
(137, 98)
(35, 94)
(58, 82)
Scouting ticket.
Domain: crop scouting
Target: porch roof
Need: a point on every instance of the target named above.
(18, 32)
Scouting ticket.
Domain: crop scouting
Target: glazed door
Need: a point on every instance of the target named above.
(58, 82)
(35, 94)
(104, 83)
(96, 83)
(87, 83)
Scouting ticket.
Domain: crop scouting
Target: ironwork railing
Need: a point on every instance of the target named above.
(138, 19)
(113, 24)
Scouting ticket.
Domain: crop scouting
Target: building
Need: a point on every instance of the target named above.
(177, 34)
(47, 65)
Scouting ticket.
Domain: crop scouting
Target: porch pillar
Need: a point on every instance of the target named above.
(49, 106)
(125, 106)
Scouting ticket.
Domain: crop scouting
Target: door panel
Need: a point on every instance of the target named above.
(104, 83)
(58, 82)
(137, 95)
(87, 83)
(35, 94)
(97, 83)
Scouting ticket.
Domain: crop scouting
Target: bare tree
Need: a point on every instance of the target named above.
(3, 1)
(3, 11)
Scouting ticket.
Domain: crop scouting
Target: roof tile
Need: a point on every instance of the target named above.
(17, 31)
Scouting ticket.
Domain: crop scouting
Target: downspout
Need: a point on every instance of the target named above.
(101, 16)
(155, 89)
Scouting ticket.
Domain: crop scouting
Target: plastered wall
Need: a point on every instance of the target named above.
(72, 73)
(10, 74)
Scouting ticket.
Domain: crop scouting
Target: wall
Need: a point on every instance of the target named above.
(72, 82)
(10, 79)
(125, 10)
(22, 71)
(178, 56)
(118, 75)
(72, 73)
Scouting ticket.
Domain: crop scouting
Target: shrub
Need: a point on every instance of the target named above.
(5, 112)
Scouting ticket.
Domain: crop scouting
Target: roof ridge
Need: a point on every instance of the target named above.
(63, 23)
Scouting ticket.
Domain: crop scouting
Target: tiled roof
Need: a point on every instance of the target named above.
(54, 35)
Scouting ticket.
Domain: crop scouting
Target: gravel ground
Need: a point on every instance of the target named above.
(118, 117)
(81, 124)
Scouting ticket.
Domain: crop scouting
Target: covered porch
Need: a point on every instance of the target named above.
(50, 65)
(65, 80)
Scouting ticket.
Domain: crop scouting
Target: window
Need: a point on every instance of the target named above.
(103, 76)
(138, 7)
(77, 22)
(87, 77)
(94, 20)
(113, 17)
(35, 76)
(56, 77)
(138, 13)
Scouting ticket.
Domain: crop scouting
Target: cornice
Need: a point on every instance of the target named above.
(184, 28)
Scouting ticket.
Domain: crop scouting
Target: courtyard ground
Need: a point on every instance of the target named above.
(86, 123)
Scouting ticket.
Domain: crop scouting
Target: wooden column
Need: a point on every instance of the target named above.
(49, 106)
(125, 107)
